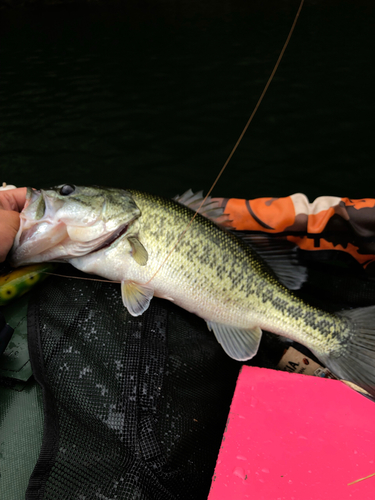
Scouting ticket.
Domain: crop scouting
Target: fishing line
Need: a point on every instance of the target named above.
(230, 155)
(79, 277)
(238, 140)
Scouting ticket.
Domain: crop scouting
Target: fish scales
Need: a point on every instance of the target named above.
(151, 245)
(219, 265)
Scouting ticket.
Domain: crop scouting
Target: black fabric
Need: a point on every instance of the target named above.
(6, 332)
(135, 408)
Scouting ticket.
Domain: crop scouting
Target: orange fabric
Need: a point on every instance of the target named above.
(358, 204)
(329, 223)
(268, 214)
(317, 222)
(239, 215)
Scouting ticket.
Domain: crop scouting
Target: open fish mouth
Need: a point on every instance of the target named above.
(112, 238)
(56, 245)
(57, 228)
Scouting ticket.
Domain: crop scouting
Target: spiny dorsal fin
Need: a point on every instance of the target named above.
(239, 343)
(210, 209)
(139, 253)
(136, 297)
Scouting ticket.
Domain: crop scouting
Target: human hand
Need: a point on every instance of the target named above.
(11, 203)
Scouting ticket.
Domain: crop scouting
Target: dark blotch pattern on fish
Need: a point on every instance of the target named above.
(217, 262)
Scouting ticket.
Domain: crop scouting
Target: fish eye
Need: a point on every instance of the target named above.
(67, 189)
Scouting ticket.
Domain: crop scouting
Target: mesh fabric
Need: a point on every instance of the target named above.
(135, 408)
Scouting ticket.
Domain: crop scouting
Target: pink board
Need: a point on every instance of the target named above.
(295, 437)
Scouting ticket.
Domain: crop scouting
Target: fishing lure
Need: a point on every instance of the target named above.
(17, 282)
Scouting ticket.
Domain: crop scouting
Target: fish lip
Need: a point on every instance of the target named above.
(116, 235)
(32, 195)
(30, 192)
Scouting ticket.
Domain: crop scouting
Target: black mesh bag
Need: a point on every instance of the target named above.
(135, 408)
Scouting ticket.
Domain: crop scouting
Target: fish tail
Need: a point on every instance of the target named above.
(355, 359)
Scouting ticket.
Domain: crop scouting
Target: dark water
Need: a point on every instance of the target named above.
(154, 94)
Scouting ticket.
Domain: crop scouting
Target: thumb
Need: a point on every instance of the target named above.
(9, 224)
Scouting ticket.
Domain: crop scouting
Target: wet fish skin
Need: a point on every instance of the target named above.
(55, 227)
(212, 274)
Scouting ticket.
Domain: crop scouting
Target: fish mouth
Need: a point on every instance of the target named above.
(40, 238)
(116, 235)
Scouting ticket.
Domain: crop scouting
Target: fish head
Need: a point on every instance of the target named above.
(69, 221)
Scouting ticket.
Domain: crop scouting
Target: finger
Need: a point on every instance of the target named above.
(13, 199)
(9, 224)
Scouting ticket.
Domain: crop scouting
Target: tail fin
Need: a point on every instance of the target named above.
(356, 362)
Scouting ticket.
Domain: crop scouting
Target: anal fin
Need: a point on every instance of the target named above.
(239, 343)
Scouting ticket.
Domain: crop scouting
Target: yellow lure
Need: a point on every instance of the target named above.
(19, 281)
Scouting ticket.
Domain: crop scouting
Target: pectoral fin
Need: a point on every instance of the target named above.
(136, 297)
(139, 253)
(239, 343)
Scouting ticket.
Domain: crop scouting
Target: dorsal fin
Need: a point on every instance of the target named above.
(281, 256)
(210, 209)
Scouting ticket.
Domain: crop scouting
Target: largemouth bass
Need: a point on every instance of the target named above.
(130, 236)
